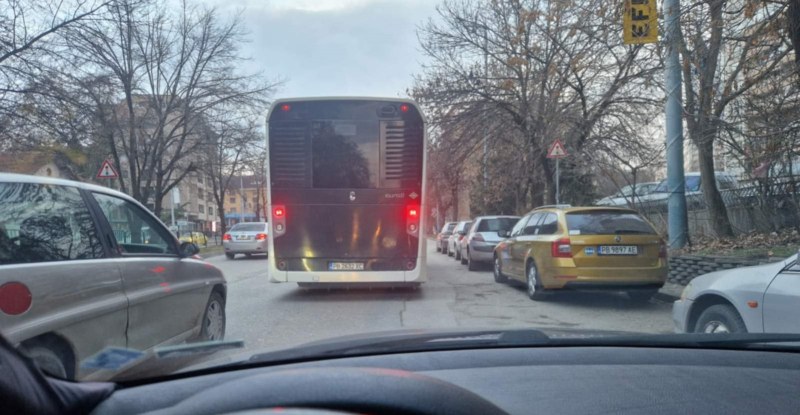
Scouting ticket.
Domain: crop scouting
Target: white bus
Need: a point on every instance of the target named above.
(345, 187)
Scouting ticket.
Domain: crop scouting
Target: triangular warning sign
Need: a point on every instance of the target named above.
(107, 171)
(556, 150)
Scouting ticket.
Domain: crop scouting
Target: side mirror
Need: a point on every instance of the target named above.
(504, 234)
(188, 249)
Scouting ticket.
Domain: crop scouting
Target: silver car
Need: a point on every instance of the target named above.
(454, 241)
(246, 238)
(84, 268)
(759, 299)
(478, 245)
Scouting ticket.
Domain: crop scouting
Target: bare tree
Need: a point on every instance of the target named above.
(172, 71)
(555, 69)
(728, 47)
(231, 139)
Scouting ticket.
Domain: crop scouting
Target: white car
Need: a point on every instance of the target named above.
(625, 194)
(693, 185)
(759, 299)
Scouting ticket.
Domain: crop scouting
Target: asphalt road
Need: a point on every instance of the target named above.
(270, 316)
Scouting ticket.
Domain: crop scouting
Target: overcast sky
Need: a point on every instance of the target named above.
(334, 47)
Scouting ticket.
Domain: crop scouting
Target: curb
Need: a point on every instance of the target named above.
(666, 297)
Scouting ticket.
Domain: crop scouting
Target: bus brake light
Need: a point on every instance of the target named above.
(404, 108)
(413, 212)
(279, 212)
(286, 107)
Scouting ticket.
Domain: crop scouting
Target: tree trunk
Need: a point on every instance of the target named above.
(717, 211)
(454, 202)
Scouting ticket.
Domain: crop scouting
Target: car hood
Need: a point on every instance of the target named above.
(754, 278)
(396, 341)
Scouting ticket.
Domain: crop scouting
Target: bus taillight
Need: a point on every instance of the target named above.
(403, 107)
(412, 219)
(279, 220)
(286, 107)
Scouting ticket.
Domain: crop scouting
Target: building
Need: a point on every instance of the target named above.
(245, 200)
(44, 162)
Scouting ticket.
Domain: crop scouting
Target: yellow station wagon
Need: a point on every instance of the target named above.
(584, 248)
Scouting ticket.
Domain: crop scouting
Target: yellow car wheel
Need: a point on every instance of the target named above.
(535, 290)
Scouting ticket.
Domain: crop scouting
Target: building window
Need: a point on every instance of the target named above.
(244, 198)
(201, 209)
(209, 196)
(233, 210)
(233, 199)
(199, 193)
(210, 210)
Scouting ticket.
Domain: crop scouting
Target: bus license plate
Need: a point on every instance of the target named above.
(618, 250)
(346, 266)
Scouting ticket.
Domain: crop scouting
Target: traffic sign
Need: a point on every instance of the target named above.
(640, 22)
(107, 171)
(557, 150)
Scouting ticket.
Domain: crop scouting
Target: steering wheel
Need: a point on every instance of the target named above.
(345, 389)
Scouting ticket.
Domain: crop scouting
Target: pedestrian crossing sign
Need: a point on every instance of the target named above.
(557, 150)
(107, 171)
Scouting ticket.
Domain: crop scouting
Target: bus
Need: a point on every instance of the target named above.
(345, 192)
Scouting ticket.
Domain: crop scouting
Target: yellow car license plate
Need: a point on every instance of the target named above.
(618, 250)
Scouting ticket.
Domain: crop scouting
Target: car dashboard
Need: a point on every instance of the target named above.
(516, 380)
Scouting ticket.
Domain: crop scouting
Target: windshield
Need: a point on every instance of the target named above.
(692, 185)
(254, 176)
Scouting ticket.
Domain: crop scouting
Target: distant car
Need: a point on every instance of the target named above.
(454, 242)
(482, 237)
(583, 248)
(84, 268)
(197, 238)
(759, 299)
(246, 238)
(443, 236)
(693, 185)
(626, 194)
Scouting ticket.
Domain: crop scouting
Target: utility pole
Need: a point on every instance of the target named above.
(677, 218)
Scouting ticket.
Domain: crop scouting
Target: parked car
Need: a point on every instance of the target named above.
(454, 242)
(443, 236)
(197, 238)
(246, 238)
(759, 299)
(482, 237)
(583, 248)
(693, 185)
(626, 194)
(84, 268)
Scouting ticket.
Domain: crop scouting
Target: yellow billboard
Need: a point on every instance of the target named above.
(640, 22)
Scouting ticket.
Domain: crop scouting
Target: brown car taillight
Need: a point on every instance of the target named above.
(662, 250)
(561, 248)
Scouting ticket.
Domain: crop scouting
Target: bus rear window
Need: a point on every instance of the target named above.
(600, 222)
(345, 154)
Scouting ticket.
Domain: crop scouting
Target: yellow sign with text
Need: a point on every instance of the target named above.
(640, 22)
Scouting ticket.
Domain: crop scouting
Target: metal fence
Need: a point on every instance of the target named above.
(762, 205)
